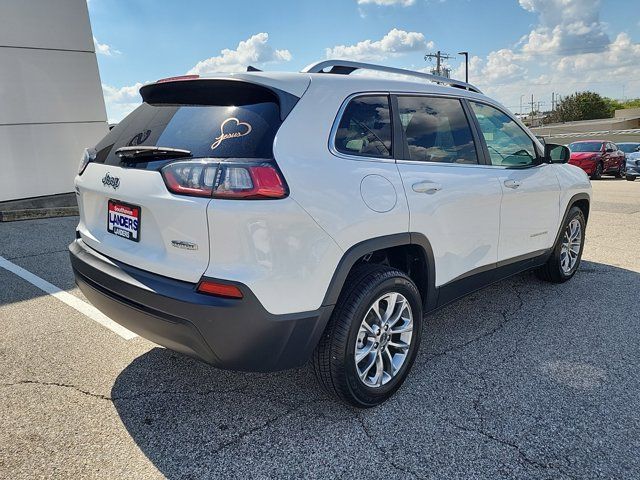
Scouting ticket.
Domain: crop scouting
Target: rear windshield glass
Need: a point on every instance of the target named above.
(234, 130)
(586, 147)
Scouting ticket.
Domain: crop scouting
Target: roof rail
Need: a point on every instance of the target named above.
(345, 67)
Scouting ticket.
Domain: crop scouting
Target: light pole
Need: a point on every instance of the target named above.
(466, 65)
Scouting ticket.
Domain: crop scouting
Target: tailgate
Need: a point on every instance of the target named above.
(173, 234)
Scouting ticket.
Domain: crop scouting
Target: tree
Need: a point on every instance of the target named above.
(631, 103)
(583, 106)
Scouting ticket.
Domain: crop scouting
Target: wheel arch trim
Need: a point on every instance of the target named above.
(571, 203)
(357, 251)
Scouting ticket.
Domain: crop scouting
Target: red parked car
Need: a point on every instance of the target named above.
(597, 157)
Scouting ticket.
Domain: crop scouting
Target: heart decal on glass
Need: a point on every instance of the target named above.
(240, 129)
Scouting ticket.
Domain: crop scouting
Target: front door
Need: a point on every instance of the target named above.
(529, 216)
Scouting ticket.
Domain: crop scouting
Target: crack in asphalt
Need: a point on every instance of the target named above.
(56, 384)
(518, 449)
(505, 320)
(39, 254)
(381, 449)
(261, 427)
(507, 317)
(114, 399)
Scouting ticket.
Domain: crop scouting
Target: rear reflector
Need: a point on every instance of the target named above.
(219, 289)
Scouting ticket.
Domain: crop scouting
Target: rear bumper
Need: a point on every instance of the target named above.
(227, 333)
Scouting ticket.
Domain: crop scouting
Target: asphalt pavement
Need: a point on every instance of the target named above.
(523, 379)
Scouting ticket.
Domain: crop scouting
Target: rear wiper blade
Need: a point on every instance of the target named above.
(142, 152)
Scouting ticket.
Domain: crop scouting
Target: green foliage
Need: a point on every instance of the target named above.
(631, 103)
(583, 106)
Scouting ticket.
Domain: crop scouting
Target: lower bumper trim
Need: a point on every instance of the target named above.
(227, 333)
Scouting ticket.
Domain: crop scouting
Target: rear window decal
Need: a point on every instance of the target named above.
(240, 129)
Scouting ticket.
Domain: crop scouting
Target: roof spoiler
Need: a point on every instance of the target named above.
(227, 91)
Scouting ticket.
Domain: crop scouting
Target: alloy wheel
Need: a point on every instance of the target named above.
(384, 338)
(571, 244)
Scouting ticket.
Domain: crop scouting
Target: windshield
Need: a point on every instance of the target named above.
(629, 147)
(585, 147)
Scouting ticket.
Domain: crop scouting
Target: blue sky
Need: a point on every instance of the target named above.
(518, 47)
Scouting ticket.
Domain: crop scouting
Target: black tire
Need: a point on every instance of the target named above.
(620, 172)
(334, 357)
(552, 270)
(597, 174)
(631, 178)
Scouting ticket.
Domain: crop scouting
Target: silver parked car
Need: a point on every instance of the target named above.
(632, 153)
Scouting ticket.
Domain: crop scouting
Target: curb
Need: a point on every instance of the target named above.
(34, 213)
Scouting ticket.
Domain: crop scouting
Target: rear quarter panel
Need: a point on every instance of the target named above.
(275, 248)
(327, 186)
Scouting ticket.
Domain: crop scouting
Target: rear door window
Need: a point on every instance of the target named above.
(365, 127)
(436, 130)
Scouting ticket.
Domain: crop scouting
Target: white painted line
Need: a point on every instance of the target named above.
(74, 302)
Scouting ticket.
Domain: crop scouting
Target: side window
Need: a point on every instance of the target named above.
(365, 127)
(507, 143)
(437, 130)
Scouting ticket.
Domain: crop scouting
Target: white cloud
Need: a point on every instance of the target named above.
(104, 49)
(121, 101)
(394, 43)
(568, 50)
(565, 27)
(253, 51)
(404, 3)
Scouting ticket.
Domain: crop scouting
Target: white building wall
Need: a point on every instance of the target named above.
(51, 103)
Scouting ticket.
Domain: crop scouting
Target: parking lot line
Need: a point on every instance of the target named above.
(65, 297)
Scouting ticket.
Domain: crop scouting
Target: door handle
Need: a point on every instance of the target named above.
(426, 187)
(512, 183)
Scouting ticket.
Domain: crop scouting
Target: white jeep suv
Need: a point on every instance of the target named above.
(261, 220)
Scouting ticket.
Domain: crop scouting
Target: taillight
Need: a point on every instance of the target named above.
(228, 180)
(195, 178)
(248, 181)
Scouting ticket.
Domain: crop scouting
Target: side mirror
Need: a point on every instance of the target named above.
(556, 153)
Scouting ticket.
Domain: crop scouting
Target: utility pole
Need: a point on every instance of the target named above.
(553, 102)
(466, 65)
(439, 56)
(533, 106)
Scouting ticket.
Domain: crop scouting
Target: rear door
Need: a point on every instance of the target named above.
(453, 199)
(529, 216)
(126, 209)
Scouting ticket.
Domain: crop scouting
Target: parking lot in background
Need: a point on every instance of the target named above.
(522, 379)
